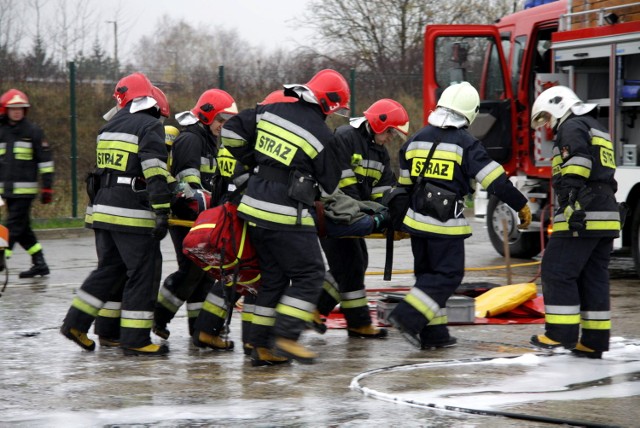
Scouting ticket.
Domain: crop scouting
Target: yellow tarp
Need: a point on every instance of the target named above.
(503, 299)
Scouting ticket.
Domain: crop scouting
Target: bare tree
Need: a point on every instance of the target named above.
(385, 36)
(11, 25)
(72, 29)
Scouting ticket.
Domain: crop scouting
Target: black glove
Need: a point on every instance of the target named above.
(162, 225)
(577, 220)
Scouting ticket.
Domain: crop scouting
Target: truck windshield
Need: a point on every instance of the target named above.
(471, 59)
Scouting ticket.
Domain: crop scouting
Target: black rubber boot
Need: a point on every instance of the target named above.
(39, 267)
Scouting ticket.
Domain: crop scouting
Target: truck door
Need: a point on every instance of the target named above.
(472, 53)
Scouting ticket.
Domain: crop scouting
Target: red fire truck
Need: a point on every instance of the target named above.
(592, 46)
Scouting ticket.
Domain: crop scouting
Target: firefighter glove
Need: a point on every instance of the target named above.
(162, 225)
(46, 196)
(575, 216)
(525, 217)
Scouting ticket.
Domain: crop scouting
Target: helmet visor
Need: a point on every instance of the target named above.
(342, 111)
(540, 119)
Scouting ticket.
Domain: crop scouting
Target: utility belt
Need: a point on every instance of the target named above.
(436, 202)
(96, 180)
(137, 184)
(302, 188)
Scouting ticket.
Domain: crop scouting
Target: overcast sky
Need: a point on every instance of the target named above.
(265, 23)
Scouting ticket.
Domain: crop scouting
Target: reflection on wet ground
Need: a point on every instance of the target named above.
(45, 380)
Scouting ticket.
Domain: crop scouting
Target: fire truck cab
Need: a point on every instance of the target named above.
(595, 52)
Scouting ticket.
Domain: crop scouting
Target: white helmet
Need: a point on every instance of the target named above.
(555, 104)
(462, 98)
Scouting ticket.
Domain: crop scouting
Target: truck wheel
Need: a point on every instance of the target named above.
(521, 245)
(635, 237)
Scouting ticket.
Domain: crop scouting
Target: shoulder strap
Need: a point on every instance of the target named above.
(428, 159)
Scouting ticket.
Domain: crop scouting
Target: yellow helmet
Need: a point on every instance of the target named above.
(170, 134)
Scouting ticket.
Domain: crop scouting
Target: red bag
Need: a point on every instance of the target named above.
(218, 242)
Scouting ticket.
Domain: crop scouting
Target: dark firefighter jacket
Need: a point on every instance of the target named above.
(131, 159)
(584, 164)
(24, 153)
(457, 159)
(194, 156)
(282, 137)
(369, 172)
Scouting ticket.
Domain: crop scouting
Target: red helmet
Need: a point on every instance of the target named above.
(212, 103)
(331, 90)
(13, 98)
(161, 99)
(277, 97)
(387, 113)
(132, 86)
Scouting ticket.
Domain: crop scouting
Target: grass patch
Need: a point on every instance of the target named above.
(57, 223)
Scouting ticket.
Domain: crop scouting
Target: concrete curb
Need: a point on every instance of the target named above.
(74, 232)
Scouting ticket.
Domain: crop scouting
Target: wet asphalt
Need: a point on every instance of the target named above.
(47, 381)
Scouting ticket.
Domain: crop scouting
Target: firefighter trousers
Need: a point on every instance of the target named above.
(139, 256)
(19, 225)
(348, 260)
(292, 271)
(575, 287)
(439, 269)
(188, 284)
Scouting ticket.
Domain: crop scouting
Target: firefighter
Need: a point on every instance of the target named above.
(130, 218)
(575, 279)
(436, 167)
(107, 324)
(367, 177)
(195, 166)
(24, 154)
(294, 152)
(216, 312)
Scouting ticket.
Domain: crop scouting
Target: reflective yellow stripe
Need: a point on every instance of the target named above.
(261, 320)
(123, 221)
(104, 145)
(167, 303)
(246, 316)
(193, 313)
(368, 172)
(602, 142)
(233, 142)
(576, 170)
(273, 217)
(46, 170)
(419, 306)
(596, 325)
(130, 323)
(109, 313)
(439, 320)
(83, 306)
(294, 312)
(357, 303)
(214, 309)
(34, 248)
(432, 228)
(153, 172)
(491, 177)
(562, 319)
(406, 181)
(289, 137)
(349, 181)
(590, 225)
(25, 191)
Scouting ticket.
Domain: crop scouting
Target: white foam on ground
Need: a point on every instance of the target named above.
(537, 378)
